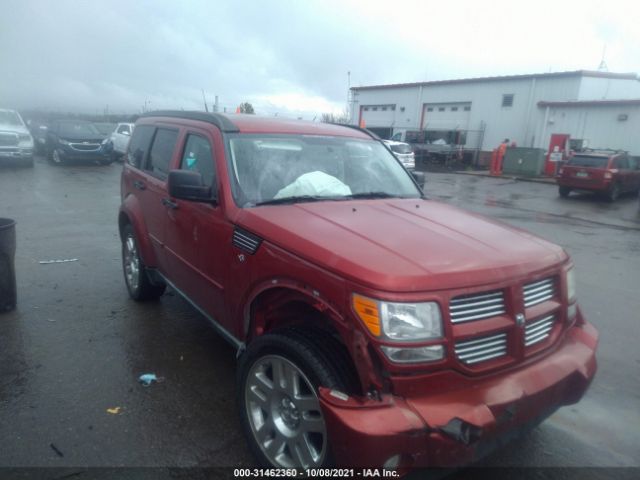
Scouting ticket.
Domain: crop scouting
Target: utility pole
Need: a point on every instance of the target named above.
(216, 106)
(349, 96)
(603, 65)
(206, 109)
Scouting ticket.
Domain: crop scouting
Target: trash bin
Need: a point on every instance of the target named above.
(7, 267)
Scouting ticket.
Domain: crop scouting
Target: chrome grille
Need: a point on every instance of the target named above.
(476, 307)
(538, 292)
(8, 139)
(481, 349)
(85, 147)
(538, 330)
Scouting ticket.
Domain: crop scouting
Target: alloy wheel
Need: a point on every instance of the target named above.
(284, 413)
(131, 262)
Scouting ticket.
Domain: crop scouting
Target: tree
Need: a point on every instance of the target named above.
(246, 107)
(335, 118)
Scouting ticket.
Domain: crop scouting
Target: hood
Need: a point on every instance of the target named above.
(8, 128)
(83, 138)
(402, 245)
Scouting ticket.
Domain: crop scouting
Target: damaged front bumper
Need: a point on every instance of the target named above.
(459, 426)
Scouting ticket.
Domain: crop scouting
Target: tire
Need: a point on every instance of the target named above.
(283, 424)
(135, 276)
(105, 161)
(564, 191)
(614, 193)
(56, 158)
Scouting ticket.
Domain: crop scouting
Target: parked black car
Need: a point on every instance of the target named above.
(76, 140)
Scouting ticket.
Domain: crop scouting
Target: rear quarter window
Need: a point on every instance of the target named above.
(139, 145)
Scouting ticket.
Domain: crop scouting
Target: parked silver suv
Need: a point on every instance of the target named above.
(16, 143)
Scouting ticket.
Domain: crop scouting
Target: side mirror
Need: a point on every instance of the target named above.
(419, 177)
(188, 185)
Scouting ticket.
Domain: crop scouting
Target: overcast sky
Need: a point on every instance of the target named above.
(288, 57)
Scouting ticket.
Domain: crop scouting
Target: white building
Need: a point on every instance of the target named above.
(600, 108)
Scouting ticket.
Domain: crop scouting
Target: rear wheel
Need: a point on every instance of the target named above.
(564, 191)
(279, 376)
(614, 193)
(138, 284)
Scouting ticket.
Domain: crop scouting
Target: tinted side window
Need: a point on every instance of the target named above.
(197, 156)
(139, 145)
(633, 163)
(164, 143)
(622, 162)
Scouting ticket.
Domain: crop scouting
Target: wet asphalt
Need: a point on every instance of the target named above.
(74, 348)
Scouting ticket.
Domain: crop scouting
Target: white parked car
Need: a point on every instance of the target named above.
(16, 143)
(403, 152)
(120, 139)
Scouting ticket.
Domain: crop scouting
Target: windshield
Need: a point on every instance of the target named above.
(588, 161)
(10, 118)
(277, 168)
(402, 148)
(77, 129)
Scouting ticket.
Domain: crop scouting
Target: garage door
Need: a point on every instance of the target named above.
(446, 116)
(378, 115)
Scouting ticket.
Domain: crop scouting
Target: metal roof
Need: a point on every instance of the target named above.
(249, 123)
(592, 103)
(575, 73)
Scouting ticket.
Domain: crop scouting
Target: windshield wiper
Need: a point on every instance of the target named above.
(371, 195)
(295, 199)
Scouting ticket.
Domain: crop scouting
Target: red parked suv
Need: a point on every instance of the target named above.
(605, 172)
(374, 327)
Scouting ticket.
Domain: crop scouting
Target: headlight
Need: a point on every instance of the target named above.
(62, 142)
(571, 286)
(25, 138)
(400, 322)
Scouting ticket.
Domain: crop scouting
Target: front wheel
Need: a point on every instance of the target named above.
(56, 157)
(138, 284)
(279, 376)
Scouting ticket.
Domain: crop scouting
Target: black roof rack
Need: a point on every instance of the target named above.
(355, 127)
(220, 121)
(603, 151)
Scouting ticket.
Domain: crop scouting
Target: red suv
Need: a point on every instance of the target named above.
(373, 327)
(603, 172)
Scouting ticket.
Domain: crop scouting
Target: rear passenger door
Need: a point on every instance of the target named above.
(624, 174)
(634, 167)
(156, 198)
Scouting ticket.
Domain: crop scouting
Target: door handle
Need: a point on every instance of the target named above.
(169, 203)
(139, 185)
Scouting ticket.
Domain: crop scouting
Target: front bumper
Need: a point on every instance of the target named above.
(457, 427)
(70, 153)
(16, 153)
